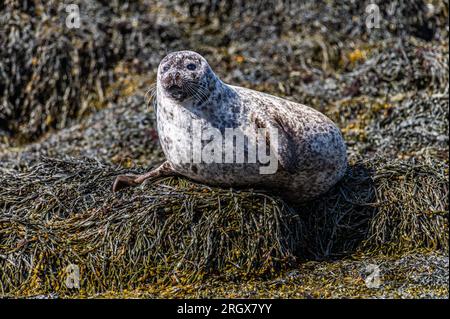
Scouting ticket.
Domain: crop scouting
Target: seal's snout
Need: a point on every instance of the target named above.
(171, 79)
(173, 84)
(174, 88)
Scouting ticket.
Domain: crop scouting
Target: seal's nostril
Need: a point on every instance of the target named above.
(177, 76)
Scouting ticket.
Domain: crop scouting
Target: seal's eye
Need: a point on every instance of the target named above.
(191, 66)
(166, 68)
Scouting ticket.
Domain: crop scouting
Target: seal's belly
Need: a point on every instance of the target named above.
(186, 152)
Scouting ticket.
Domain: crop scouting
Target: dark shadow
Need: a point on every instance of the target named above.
(336, 223)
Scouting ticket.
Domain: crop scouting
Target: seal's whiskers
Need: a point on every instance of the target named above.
(150, 95)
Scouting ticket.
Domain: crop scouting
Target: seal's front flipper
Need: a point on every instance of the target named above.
(123, 181)
(164, 170)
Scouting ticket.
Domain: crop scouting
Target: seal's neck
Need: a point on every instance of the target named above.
(214, 102)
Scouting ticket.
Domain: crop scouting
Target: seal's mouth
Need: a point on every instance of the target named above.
(176, 92)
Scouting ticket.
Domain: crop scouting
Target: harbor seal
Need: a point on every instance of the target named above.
(309, 149)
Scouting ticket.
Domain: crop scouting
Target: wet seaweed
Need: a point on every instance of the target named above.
(61, 212)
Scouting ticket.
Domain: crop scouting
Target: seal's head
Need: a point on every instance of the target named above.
(183, 75)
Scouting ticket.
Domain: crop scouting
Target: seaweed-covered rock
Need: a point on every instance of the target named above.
(60, 212)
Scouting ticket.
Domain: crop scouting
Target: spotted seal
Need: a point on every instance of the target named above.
(311, 153)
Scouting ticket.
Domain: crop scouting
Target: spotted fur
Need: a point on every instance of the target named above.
(312, 153)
